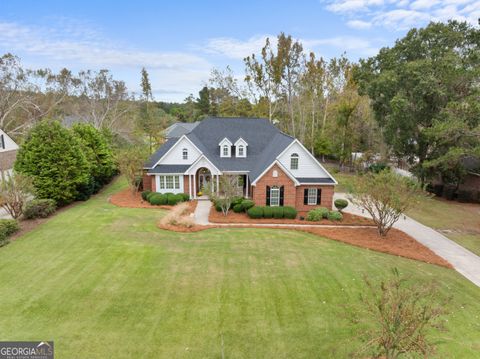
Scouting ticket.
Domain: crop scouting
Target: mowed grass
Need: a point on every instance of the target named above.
(104, 282)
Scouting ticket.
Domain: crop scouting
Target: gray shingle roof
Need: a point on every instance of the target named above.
(265, 143)
(306, 180)
(180, 128)
(169, 169)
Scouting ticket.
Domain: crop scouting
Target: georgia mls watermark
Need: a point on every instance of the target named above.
(26, 350)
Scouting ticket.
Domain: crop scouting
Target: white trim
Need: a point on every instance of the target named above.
(174, 145)
(198, 160)
(316, 184)
(225, 139)
(277, 189)
(312, 156)
(227, 172)
(254, 183)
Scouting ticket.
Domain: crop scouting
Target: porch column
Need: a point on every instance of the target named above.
(217, 184)
(246, 181)
(190, 186)
(194, 186)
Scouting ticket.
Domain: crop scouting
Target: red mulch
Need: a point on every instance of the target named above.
(125, 198)
(232, 217)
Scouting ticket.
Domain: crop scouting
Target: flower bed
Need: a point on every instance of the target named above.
(125, 198)
(232, 217)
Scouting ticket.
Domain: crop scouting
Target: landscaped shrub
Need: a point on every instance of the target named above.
(238, 208)
(185, 197)
(39, 208)
(466, 196)
(267, 212)
(145, 195)
(247, 204)
(235, 201)
(178, 216)
(7, 228)
(334, 216)
(173, 199)
(277, 212)
(378, 167)
(157, 199)
(218, 206)
(341, 204)
(256, 212)
(289, 212)
(317, 214)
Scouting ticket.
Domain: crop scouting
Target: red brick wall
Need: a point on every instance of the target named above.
(154, 183)
(259, 193)
(186, 185)
(147, 182)
(327, 197)
(293, 196)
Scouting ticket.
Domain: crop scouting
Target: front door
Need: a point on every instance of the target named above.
(203, 179)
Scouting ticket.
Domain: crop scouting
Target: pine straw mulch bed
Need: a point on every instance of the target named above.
(232, 217)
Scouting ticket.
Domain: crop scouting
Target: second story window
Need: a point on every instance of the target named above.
(241, 151)
(226, 152)
(294, 161)
(185, 154)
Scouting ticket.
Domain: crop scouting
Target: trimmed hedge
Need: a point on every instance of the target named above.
(317, 214)
(162, 199)
(39, 208)
(157, 199)
(268, 212)
(334, 216)
(7, 228)
(238, 208)
(247, 204)
(341, 204)
(145, 195)
(289, 212)
(278, 212)
(256, 212)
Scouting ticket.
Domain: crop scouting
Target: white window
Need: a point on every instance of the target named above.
(294, 161)
(274, 196)
(169, 182)
(312, 196)
(162, 182)
(185, 154)
(241, 151)
(226, 152)
(177, 182)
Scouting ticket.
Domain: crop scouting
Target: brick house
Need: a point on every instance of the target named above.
(272, 168)
(8, 153)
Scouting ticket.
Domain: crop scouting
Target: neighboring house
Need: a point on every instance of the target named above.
(8, 152)
(273, 169)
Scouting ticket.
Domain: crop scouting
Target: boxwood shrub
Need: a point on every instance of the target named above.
(235, 201)
(145, 195)
(247, 204)
(289, 212)
(39, 208)
(334, 216)
(7, 228)
(267, 212)
(185, 197)
(277, 212)
(256, 212)
(157, 199)
(341, 204)
(317, 214)
(238, 208)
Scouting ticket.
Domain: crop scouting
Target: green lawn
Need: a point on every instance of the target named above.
(104, 282)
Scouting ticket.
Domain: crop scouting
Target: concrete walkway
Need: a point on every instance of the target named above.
(4, 214)
(464, 261)
(202, 211)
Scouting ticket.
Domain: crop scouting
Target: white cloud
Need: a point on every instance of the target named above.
(359, 24)
(404, 14)
(234, 48)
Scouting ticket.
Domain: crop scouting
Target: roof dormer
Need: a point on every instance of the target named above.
(241, 148)
(225, 147)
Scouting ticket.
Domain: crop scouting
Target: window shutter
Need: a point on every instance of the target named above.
(2, 142)
(305, 196)
(319, 196)
(281, 196)
(268, 196)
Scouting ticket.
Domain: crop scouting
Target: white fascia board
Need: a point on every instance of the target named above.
(282, 168)
(176, 144)
(198, 160)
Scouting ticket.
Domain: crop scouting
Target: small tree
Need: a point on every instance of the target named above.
(15, 190)
(228, 190)
(385, 196)
(130, 163)
(402, 315)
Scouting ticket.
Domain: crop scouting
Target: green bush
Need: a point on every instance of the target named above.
(218, 207)
(173, 199)
(341, 204)
(39, 208)
(238, 208)
(256, 212)
(289, 212)
(247, 204)
(267, 212)
(185, 197)
(334, 216)
(145, 195)
(157, 199)
(277, 212)
(235, 201)
(7, 228)
(317, 214)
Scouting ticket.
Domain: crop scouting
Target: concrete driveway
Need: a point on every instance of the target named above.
(464, 261)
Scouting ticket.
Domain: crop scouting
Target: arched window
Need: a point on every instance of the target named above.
(185, 154)
(226, 151)
(241, 151)
(294, 161)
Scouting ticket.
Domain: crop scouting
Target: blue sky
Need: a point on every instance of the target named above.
(179, 42)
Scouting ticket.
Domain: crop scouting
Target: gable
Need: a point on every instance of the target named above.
(307, 165)
(175, 155)
(6, 143)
